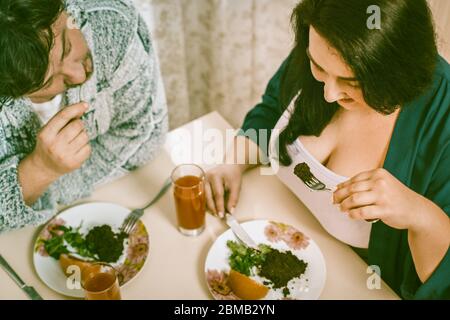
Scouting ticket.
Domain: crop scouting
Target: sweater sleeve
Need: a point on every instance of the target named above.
(265, 114)
(14, 213)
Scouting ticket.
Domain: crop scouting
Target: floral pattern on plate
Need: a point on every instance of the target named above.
(136, 248)
(89, 215)
(276, 231)
(218, 284)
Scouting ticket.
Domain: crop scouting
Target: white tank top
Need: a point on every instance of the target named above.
(313, 184)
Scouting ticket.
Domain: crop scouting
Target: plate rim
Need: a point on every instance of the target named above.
(63, 211)
(267, 221)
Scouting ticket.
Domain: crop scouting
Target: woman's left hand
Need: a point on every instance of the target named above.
(377, 194)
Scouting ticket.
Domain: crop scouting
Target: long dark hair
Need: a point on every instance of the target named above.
(393, 65)
(26, 39)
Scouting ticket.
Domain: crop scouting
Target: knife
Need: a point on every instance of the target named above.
(27, 289)
(239, 232)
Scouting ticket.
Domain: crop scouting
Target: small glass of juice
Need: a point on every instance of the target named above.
(190, 200)
(100, 282)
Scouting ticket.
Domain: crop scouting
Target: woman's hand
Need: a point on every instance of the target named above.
(378, 194)
(223, 180)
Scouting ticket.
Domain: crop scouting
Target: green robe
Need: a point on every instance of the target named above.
(419, 156)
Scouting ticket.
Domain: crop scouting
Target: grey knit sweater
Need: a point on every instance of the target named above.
(126, 123)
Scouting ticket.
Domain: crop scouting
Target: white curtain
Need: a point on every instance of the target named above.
(441, 12)
(220, 54)
(217, 54)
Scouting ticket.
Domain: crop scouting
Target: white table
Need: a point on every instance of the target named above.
(174, 268)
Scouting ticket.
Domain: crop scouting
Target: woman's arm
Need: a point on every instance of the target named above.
(377, 194)
(226, 178)
(247, 149)
(429, 238)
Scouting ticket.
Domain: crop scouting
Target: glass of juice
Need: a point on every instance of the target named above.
(190, 200)
(100, 282)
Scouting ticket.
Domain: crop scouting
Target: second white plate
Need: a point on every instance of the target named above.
(282, 237)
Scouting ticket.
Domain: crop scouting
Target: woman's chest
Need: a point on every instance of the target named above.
(350, 145)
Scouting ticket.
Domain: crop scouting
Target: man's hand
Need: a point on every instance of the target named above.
(62, 145)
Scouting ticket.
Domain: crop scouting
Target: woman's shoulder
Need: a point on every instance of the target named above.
(443, 71)
(431, 109)
(441, 94)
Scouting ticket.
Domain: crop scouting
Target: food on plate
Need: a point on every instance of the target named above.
(243, 259)
(281, 267)
(65, 261)
(245, 287)
(105, 244)
(100, 244)
(276, 267)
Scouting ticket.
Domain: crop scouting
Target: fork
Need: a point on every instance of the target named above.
(315, 184)
(303, 172)
(134, 216)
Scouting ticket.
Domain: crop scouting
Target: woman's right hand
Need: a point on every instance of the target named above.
(222, 188)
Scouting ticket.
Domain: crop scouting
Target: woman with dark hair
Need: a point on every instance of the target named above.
(362, 136)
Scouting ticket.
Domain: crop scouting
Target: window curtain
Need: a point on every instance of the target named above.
(218, 55)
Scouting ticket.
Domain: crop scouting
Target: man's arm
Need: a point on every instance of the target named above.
(62, 146)
(14, 212)
(32, 181)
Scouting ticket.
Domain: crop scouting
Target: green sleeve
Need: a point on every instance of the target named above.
(265, 115)
(438, 285)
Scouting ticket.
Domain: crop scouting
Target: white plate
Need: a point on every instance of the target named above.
(281, 237)
(91, 215)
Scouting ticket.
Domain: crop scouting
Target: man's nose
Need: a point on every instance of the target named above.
(332, 91)
(75, 74)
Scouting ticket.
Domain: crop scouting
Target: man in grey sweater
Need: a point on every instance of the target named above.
(81, 102)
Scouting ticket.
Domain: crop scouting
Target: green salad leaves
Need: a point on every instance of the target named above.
(243, 259)
(276, 266)
(101, 243)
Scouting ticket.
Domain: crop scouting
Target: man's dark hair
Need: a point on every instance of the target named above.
(26, 38)
(393, 65)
